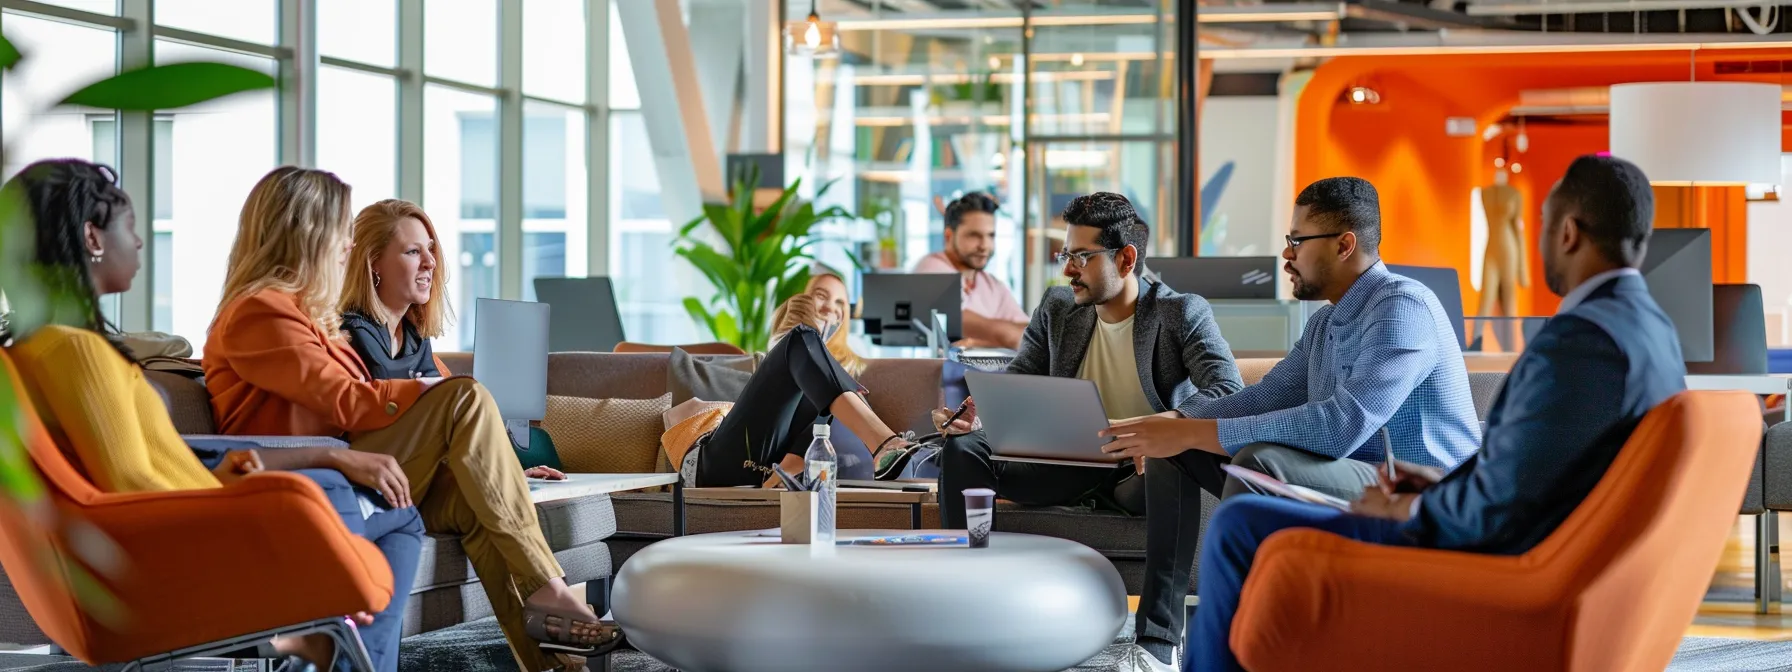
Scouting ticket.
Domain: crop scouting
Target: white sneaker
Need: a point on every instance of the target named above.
(1143, 661)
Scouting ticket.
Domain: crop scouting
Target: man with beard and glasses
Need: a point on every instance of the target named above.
(1381, 356)
(992, 317)
(1147, 348)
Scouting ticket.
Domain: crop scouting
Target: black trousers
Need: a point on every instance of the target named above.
(1172, 528)
(792, 388)
(965, 463)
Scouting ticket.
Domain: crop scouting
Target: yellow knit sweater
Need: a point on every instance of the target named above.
(100, 406)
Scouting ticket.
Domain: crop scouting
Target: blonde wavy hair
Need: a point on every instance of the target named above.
(801, 309)
(374, 228)
(290, 238)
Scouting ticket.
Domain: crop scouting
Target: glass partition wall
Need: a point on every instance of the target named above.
(1035, 107)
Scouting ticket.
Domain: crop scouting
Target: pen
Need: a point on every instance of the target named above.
(962, 407)
(1387, 445)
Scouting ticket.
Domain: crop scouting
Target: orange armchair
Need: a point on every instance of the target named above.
(1612, 589)
(199, 571)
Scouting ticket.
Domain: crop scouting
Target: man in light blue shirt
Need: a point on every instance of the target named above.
(1382, 355)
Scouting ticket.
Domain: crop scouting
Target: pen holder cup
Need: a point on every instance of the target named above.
(799, 514)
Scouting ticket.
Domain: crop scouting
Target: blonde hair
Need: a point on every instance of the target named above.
(800, 309)
(290, 239)
(374, 228)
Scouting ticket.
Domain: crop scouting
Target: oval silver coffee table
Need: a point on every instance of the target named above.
(739, 602)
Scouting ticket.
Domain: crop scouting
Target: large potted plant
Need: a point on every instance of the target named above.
(758, 260)
(30, 303)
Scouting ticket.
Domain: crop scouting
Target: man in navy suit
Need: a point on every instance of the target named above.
(1569, 404)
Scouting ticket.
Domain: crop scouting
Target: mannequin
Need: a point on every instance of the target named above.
(1505, 267)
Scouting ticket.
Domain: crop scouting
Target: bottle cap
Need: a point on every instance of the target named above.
(822, 431)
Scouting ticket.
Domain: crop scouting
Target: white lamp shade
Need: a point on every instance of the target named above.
(1698, 133)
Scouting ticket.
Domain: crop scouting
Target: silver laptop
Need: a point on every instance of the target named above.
(1041, 419)
(510, 358)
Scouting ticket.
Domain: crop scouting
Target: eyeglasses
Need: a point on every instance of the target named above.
(1078, 259)
(1295, 241)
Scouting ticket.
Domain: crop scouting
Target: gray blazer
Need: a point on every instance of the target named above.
(1178, 345)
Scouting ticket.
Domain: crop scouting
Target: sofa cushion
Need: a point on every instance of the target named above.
(711, 378)
(189, 405)
(1485, 386)
(606, 436)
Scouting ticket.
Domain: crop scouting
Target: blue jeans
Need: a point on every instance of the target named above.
(398, 533)
(1238, 527)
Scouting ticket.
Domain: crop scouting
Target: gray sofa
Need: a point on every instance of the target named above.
(903, 391)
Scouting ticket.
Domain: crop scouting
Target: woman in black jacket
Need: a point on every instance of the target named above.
(392, 302)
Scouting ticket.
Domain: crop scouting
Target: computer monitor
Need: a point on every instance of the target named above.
(585, 315)
(895, 301)
(1219, 277)
(510, 358)
(1678, 271)
(1448, 288)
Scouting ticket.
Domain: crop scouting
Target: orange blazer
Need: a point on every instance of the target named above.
(271, 371)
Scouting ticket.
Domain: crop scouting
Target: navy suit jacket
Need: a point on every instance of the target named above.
(1571, 401)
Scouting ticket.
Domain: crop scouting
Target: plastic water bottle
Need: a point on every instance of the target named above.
(821, 467)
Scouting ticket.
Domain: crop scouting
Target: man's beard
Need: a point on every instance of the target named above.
(1552, 276)
(1090, 296)
(1307, 291)
(969, 262)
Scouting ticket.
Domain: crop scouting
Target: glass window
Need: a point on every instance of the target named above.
(214, 153)
(554, 49)
(247, 20)
(554, 192)
(649, 281)
(95, 6)
(623, 94)
(105, 150)
(459, 159)
(365, 31)
(60, 59)
(357, 131)
(462, 41)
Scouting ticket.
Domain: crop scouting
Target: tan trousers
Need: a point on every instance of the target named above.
(467, 481)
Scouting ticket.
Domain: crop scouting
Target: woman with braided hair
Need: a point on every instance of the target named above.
(93, 397)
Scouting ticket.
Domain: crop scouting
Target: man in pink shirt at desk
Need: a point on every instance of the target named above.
(992, 317)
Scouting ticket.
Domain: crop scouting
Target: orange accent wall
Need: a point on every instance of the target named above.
(1425, 178)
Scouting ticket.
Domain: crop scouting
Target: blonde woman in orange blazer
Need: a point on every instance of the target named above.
(276, 363)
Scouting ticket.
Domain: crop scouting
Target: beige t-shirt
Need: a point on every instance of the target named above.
(1110, 364)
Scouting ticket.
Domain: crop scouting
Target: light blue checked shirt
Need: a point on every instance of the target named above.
(1383, 355)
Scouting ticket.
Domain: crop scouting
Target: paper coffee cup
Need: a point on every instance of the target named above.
(979, 514)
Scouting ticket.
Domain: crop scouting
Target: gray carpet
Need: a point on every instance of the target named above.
(478, 647)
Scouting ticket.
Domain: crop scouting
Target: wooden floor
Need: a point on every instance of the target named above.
(1735, 574)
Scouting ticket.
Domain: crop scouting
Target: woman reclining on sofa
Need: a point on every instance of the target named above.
(808, 373)
(98, 403)
(276, 362)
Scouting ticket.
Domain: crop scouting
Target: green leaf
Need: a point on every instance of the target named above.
(700, 315)
(9, 55)
(166, 87)
(727, 331)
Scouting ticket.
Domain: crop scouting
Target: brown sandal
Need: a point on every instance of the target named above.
(566, 631)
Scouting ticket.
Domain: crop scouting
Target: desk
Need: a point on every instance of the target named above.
(1767, 529)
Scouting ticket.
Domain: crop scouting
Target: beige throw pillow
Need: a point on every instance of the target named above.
(606, 436)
